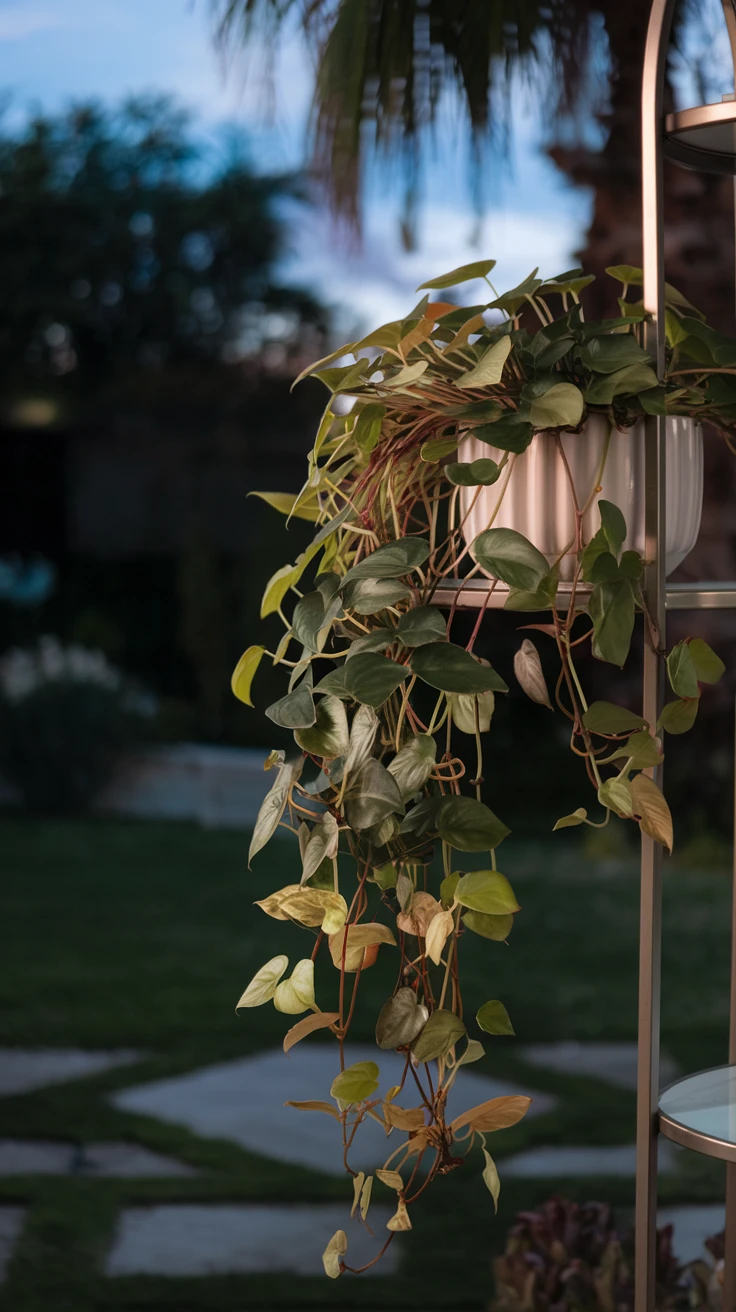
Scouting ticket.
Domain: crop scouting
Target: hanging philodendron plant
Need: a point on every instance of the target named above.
(430, 477)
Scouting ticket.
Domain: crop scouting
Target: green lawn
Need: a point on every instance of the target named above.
(142, 935)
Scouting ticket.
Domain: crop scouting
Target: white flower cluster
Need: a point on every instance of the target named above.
(24, 671)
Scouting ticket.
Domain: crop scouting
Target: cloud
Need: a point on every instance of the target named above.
(17, 22)
(376, 283)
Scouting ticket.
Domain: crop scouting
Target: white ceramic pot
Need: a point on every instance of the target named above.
(538, 503)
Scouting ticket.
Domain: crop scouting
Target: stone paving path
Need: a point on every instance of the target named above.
(615, 1063)
(186, 1239)
(54, 1157)
(244, 1100)
(23, 1070)
(561, 1163)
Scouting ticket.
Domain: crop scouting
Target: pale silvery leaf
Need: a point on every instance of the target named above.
(362, 736)
(438, 931)
(322, 843)
(404, 890)
(264, 983)
(296, 994)
(489, 368)
(303, 835)
(400, 1020)
(413, 765)
(274, 805)
(473, 1052)
(462, 709)
(616, 794)
(528, 670)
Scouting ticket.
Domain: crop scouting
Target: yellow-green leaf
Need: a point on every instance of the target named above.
(293, 504)
(437, 448)
(277, 587)
(615, 794)
(464, 273)
(494, 1018)
(489, 368)
(356, 1082)
(488, 891)
(411, 373)
(577, 817)
(560, 407)
(244, 673)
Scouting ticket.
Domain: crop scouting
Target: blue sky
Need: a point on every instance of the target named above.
(54, 50)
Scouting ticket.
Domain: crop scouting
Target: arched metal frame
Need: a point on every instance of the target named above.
(703, 138)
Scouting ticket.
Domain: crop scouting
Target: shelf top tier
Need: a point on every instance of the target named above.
(699, 1112)
(703, 138)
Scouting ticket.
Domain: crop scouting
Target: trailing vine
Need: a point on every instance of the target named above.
(391, 717)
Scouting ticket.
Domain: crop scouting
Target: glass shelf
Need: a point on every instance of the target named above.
(703, 138)
(680, 596)
(699, 1112)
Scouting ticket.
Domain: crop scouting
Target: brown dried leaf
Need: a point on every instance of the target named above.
(392, 1179)
(365, 1197)
(649, 804)
(358, 1181)
(400, 1219)
(404, 1118)
(314, 1105)
(318, 1021)
(416, 919)
(496, 1114)
(528, 670)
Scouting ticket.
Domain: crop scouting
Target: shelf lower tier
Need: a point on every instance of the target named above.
(472, 593)
(699, 1112)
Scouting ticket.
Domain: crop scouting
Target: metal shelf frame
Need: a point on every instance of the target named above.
(701, 138)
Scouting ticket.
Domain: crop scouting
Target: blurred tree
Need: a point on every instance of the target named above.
(383, 67)
(128, 249)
